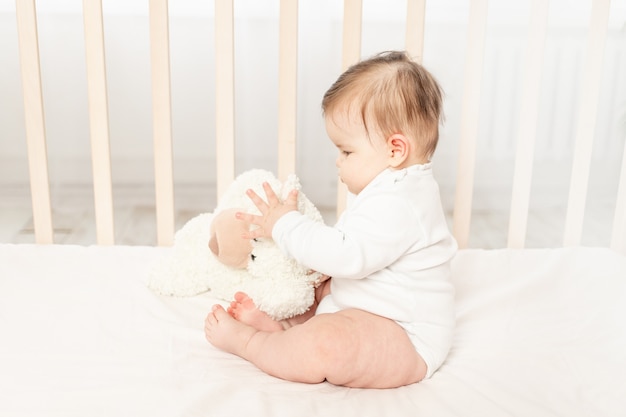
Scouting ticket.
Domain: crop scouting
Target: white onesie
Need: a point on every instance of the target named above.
(389, 254)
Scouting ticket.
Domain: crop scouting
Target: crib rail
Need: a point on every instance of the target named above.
(528, 116)
(224, 50)
(34, 118)
(99, 121)
(225, 93)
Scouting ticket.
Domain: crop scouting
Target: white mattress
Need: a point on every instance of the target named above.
(539, 333)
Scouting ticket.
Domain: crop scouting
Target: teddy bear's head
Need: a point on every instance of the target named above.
(209, 254)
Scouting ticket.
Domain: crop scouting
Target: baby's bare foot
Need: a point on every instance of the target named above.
(226, 333)
(244, 310)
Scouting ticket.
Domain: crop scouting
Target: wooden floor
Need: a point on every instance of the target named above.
(135, 219)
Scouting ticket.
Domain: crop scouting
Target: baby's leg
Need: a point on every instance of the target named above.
(352, 348)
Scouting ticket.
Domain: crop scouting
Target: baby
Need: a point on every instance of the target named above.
(386, 317)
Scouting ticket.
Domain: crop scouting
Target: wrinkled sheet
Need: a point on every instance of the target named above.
(539, 333)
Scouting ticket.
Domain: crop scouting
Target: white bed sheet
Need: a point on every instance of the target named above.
(539, 333)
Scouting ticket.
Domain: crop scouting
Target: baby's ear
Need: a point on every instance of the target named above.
(398, 147)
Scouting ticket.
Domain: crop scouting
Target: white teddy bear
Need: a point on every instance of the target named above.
(207, 255)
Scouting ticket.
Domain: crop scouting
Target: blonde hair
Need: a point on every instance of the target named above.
(397, 93)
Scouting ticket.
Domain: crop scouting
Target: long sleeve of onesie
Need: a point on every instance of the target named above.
(367, 238)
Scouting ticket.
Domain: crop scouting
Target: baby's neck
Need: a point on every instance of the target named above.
(412, 160)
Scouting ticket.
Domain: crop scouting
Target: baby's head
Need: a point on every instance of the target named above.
(390, 94)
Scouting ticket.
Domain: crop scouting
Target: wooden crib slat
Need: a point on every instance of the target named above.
(352, 22)
(469, 120)
(351, 54)
(618, 238)
(586, 121)
(287, 88)
(527, 126)
(99, 120)
(224, 93)
(162, 121)
(35, 121)
(415, 17)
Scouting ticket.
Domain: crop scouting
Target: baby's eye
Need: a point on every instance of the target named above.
(345, 153)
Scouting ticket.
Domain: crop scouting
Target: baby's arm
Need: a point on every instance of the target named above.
(368, 238)
(271, 211)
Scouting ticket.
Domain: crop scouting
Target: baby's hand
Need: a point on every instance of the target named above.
(271, 211)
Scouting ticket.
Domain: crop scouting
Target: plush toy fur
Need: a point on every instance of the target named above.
(278, 284)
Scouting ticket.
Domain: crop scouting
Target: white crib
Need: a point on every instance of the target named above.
(540, 331)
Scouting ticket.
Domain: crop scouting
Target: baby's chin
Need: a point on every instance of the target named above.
(350, 189)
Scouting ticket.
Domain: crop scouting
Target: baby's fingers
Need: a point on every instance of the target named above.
(251, 219)
(272, 198)
(258, 201)
(246, 217)
(292, 199)
(253, 234)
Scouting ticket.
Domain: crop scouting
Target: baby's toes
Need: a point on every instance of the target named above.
(235, 311)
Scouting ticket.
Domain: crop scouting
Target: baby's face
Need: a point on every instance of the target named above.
(361, 158)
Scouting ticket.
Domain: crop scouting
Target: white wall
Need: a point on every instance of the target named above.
(256, 38)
